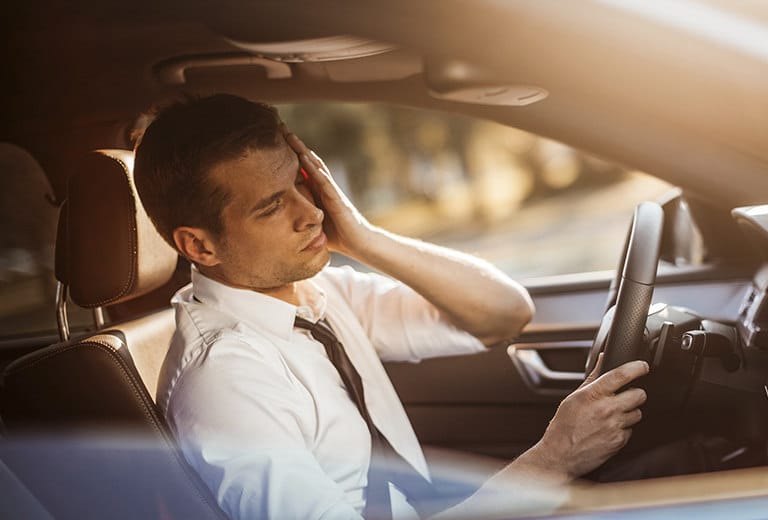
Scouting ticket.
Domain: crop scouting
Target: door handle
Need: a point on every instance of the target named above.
(539, 377)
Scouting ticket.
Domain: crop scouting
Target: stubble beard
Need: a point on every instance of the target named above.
(297, 273)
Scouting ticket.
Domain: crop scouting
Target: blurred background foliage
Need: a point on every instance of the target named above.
(533, 206)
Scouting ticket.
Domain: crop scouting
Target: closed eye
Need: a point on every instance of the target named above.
(271, 205)
(272, 208)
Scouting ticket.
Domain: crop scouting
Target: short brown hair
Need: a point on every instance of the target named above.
(181, 145)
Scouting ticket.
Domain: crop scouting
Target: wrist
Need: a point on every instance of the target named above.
(360, 244)
(543, 462)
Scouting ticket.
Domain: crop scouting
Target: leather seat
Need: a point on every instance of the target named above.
(83, 432)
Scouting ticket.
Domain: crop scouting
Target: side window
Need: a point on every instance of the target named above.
(532, 206)
(28, 218)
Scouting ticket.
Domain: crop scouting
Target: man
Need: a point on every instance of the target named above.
(260, 411)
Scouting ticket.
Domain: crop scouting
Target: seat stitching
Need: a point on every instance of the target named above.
(142, 401)
(133, 244)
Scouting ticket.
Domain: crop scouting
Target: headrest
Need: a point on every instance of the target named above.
(107, 250)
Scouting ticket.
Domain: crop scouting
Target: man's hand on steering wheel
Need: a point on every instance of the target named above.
(592, 423)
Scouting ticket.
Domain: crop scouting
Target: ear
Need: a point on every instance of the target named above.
(196, 245)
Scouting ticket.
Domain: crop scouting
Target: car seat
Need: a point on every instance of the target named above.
(82, 430)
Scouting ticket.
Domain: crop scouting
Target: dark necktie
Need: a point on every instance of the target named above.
(387, 465)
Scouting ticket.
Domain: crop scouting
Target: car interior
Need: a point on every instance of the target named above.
(81, 435)
(114, 371)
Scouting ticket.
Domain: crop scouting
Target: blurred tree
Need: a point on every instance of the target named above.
(452, 168)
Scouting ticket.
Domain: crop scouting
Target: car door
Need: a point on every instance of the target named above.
(499, 402)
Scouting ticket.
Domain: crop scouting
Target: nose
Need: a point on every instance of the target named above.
(308, 215)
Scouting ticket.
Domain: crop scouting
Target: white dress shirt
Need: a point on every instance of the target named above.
(262, 414)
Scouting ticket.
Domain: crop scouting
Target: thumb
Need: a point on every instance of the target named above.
(595, 371)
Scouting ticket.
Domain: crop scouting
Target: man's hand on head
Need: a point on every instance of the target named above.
(592, 424)
(344, 226)
(470, 293)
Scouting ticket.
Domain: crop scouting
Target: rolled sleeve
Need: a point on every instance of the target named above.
(401, 324)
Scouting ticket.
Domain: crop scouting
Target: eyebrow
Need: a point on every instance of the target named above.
(266, 201)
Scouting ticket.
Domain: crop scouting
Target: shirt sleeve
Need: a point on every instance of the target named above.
(402, 325)
(239, 425)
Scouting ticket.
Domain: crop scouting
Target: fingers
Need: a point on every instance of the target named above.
(300, 148)
(318, 161)
(317, 173)
(309, 159)
(623, 439)
(595, 371)
(315, 167)
(631, 418)
(293, 141)
(612, 381)
(630, 399)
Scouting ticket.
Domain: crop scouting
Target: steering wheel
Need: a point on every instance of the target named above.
(620, 336)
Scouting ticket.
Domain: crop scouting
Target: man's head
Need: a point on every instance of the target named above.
(222, 186)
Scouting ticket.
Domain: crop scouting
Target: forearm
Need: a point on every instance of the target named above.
(520, 489)
(538, 464)
(471, 293)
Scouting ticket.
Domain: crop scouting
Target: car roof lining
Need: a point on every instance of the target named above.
(606, 99)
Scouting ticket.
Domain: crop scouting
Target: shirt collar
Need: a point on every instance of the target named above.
(260, 310)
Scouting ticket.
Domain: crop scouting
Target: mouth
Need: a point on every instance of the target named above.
(318, 242)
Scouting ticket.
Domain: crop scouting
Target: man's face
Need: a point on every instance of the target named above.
(272, 229)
